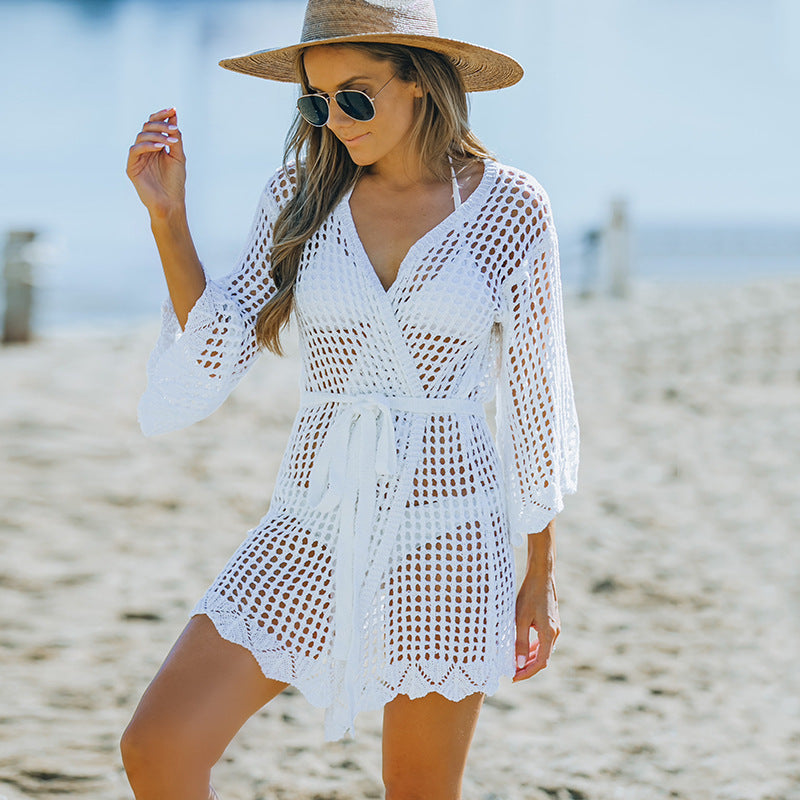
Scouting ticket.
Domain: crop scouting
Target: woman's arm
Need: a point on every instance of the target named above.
(537, 605)
(537, 426)
(182, 269)
(208, 333)
(157, 169)
(537, 423)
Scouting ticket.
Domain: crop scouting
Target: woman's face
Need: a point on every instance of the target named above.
(330, 68)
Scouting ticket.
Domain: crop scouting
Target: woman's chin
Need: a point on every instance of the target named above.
(361, 159)
(359, 150)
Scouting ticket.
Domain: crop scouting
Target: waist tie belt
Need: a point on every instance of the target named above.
(359, 445)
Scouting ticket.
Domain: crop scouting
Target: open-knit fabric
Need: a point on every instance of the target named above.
(384, 564)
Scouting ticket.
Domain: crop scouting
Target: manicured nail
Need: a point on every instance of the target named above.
(172, 127)
(520, 662)
(159, 144)
(171, 139)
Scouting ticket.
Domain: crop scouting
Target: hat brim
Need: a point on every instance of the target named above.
(482, 69)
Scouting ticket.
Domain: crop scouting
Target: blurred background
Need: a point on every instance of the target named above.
(665, 133)
(683, 112)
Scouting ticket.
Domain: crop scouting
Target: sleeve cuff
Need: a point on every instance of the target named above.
(526, 521)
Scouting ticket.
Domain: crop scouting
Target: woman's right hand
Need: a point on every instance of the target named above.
(159, 176)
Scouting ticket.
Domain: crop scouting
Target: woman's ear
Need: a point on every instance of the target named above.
(418, 91)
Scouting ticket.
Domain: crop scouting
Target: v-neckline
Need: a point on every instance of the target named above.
(357, 245)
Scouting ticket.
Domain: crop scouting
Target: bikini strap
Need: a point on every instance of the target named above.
(456, 190)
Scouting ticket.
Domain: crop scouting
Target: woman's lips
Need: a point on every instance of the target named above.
(355, 139)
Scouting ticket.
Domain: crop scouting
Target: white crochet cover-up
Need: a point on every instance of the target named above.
(384, 564)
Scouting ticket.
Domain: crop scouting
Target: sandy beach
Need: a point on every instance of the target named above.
(676, 674)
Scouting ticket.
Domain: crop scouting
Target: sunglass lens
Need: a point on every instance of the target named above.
(356, 105)
(314, 110)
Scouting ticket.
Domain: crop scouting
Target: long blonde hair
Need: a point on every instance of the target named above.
(324, 170)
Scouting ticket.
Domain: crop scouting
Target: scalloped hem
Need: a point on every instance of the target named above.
(412, 679)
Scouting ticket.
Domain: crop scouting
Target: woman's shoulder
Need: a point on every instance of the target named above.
(520, 206)
(518, 189)
(281, 185)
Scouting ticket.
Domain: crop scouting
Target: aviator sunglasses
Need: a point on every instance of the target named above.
(358, 105)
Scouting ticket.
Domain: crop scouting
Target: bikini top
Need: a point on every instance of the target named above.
(456, 190)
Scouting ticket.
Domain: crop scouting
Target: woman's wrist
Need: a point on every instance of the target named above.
(168, 215)
(542, 552)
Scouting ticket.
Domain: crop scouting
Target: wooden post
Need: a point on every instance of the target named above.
(18, 274)
(592, 240)
(618, 249)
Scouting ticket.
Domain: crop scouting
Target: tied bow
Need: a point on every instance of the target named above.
(359, 446)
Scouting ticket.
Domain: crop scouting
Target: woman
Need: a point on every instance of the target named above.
(424, 276)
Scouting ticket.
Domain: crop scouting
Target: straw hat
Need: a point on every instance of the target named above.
(409, 22)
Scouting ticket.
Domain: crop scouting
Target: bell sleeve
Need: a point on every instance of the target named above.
(191, 372)
(536, 419)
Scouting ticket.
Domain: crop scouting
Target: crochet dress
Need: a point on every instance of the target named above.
(384, 563)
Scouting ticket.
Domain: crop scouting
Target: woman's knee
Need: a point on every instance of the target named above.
(145, 744)
(131, 743)
(156, 750)
(413, 778)
(420, 782)
(203, 693)
(412, 788)
(136, 746)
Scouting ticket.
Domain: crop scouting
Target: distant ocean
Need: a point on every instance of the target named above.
(701, 147)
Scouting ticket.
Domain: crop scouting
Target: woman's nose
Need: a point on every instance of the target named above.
(336, 117)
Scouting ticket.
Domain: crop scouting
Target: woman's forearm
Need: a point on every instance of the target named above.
(542, 551)
(182, 269)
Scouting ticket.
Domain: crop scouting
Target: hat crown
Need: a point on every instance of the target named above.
(326, 19)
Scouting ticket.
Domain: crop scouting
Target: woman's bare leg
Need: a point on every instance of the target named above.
(425, 745)
(205, 690)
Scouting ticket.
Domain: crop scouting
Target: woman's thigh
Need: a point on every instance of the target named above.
(205, 690)
(425, 745)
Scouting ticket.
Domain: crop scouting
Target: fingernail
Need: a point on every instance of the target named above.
(159, 144)
(520, 662)
(172, 127)
(171, 139)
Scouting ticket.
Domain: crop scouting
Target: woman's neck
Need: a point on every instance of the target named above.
(401, 170)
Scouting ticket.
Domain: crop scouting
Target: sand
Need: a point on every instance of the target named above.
(676, 674)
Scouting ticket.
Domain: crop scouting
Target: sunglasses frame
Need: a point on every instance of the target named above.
(336, 94)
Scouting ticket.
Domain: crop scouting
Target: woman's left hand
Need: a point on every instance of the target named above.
(537, 609)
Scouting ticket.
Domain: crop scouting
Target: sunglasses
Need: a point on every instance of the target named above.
(316, 108)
